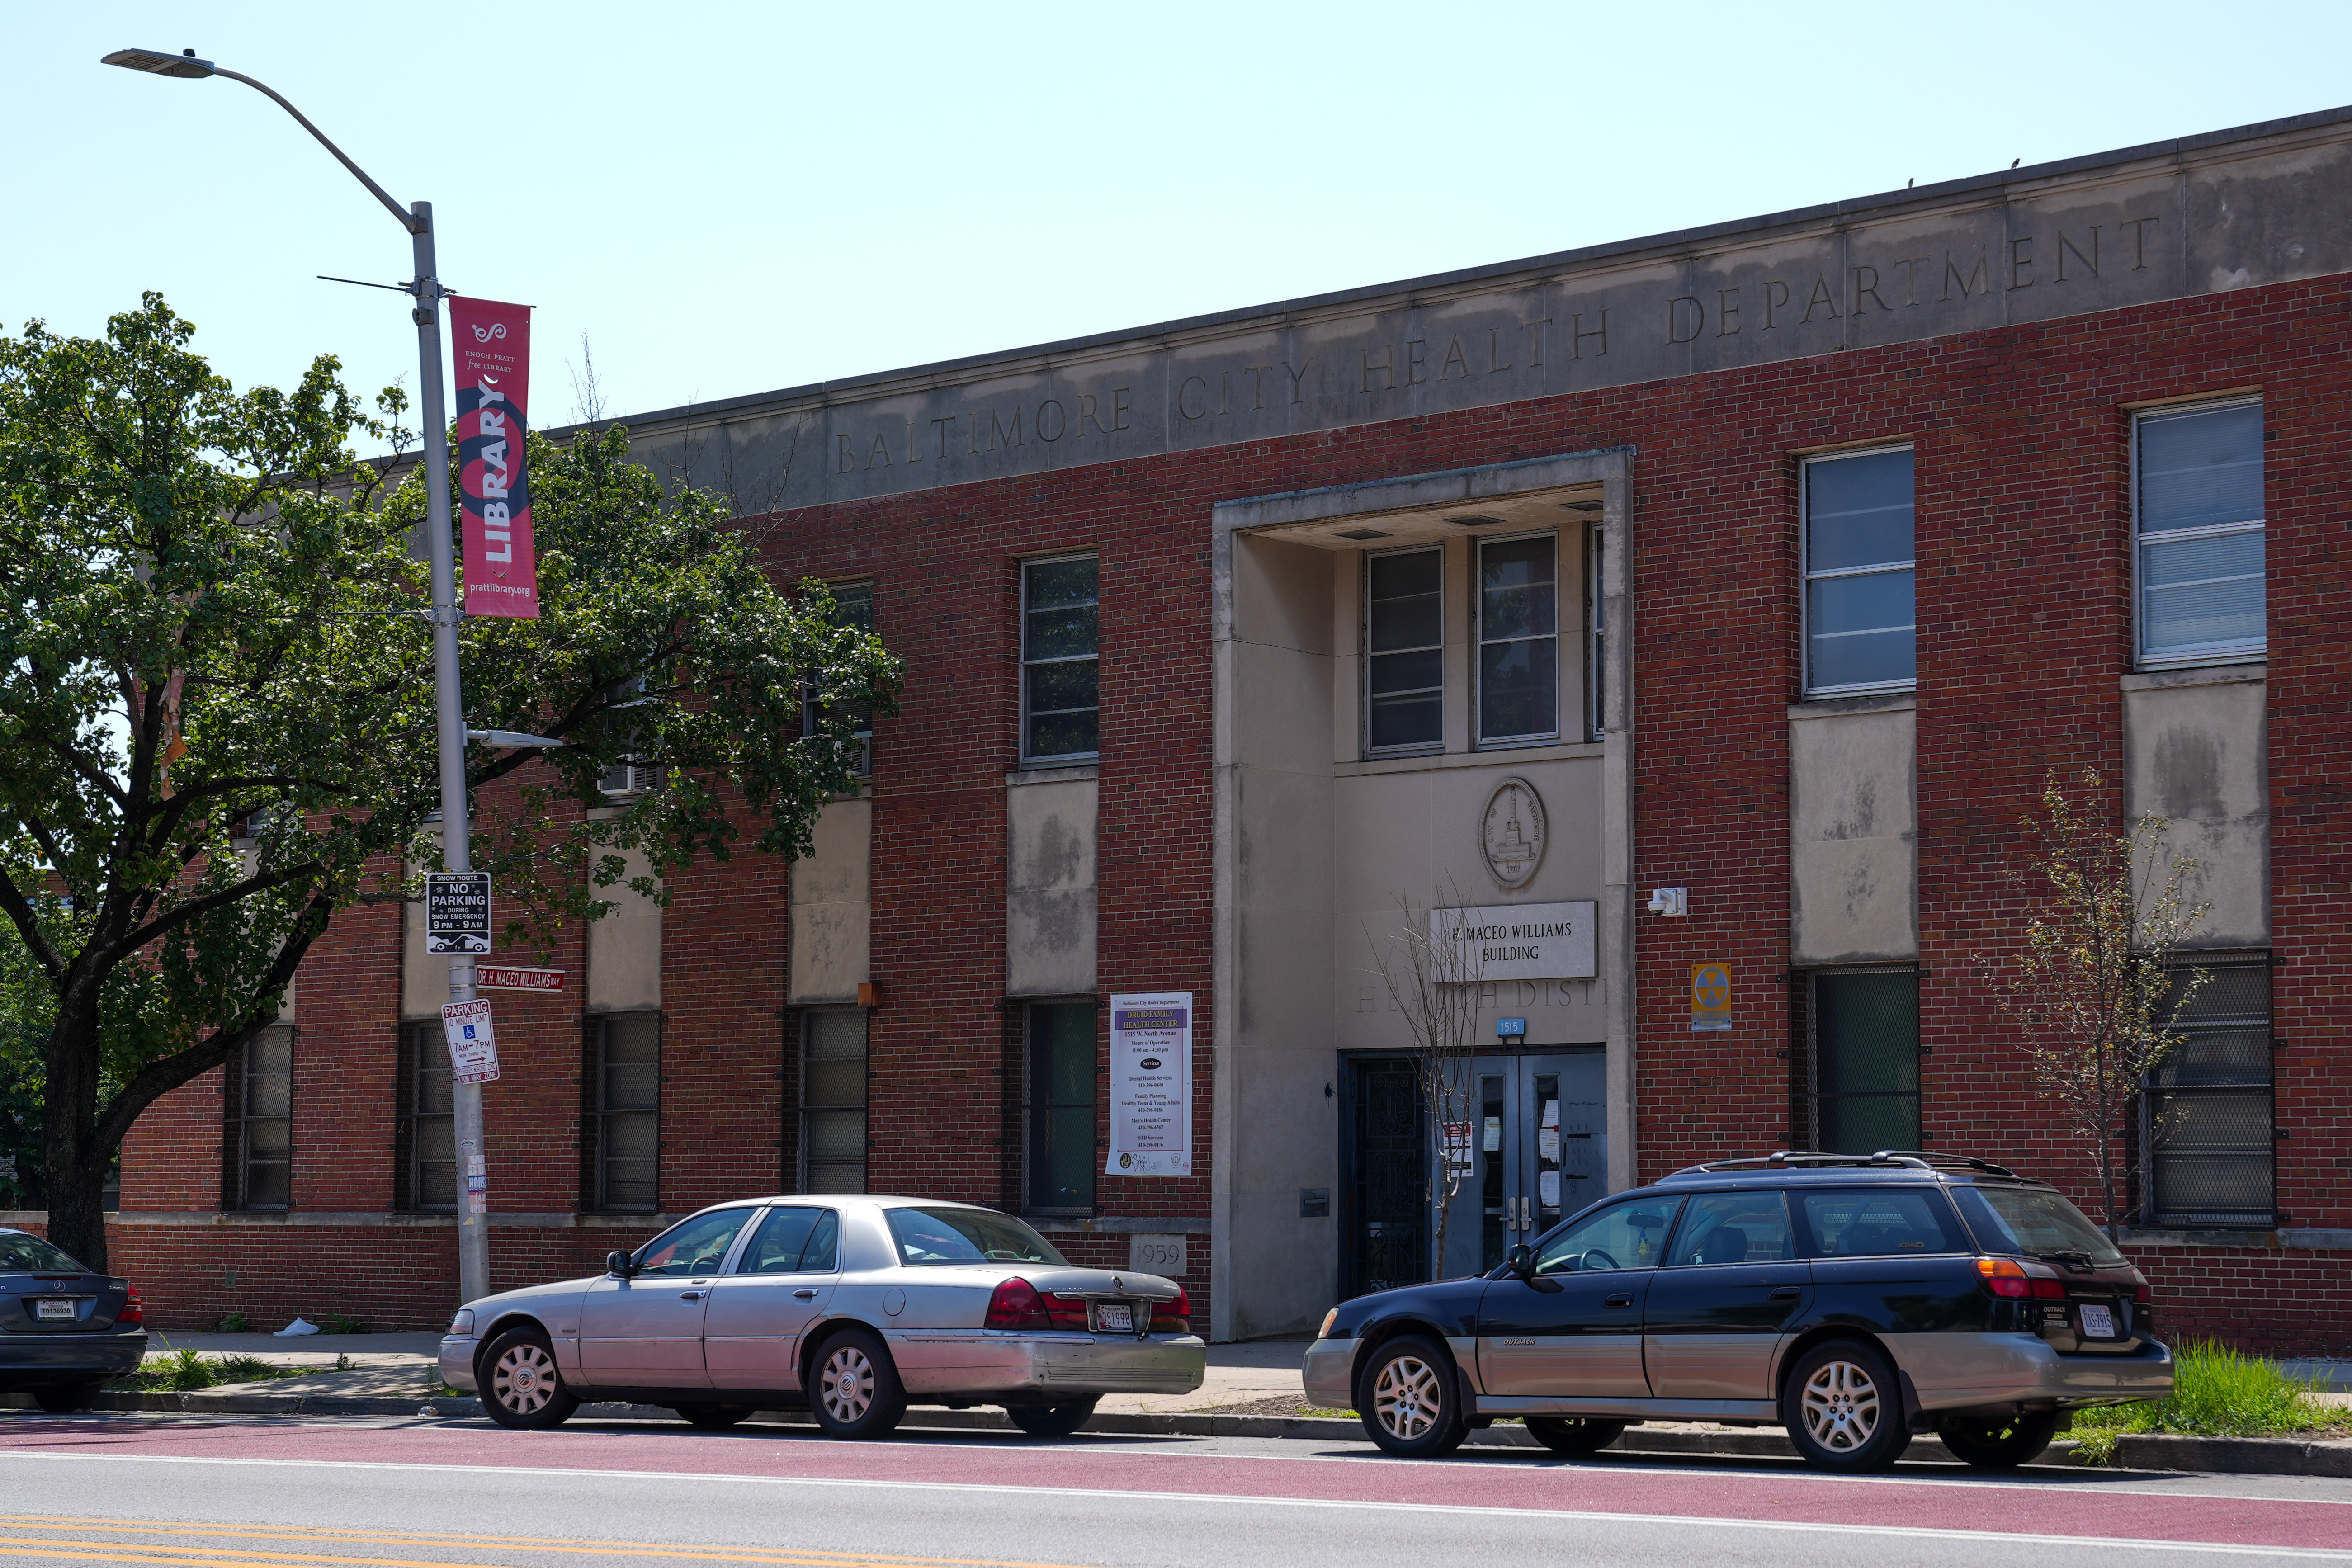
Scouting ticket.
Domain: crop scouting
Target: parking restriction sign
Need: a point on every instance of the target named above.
(473, 1047)
(456, 912)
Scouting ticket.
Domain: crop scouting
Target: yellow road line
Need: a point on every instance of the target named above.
(780, 1557)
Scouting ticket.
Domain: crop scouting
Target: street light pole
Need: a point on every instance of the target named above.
(456, 833)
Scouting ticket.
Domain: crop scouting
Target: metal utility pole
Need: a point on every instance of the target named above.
(456, 847)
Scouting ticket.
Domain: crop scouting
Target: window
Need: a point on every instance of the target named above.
(1863, 1053)
(1859, 631)
(2207, 1114)
(1596, 641)
(1060, 696)
(2020, 1219)
(1734, 1227)
(626, 1115)
(1878, 1223)
(853, 606)
(1518, 639)
(1404, 651)
(792, 1241)
(630, 776)
(262, 1127)
(1630, 1235)
(2198, 508)
(833, 1100)
(696, 1246)
(1060, 1107)
(427, 1176)
(943, 1237)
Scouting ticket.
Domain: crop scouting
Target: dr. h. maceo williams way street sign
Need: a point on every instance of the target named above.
(457, 911)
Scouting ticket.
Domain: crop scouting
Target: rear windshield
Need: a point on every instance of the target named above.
(2036, 1223)
(21, 1254)
(940, 1237)
(1878, 1222)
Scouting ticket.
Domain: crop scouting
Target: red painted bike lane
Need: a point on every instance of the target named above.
(1912, 1501)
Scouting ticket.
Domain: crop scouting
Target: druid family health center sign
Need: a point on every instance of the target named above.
(1151, 1085)
(492, 345)
(1521, 941)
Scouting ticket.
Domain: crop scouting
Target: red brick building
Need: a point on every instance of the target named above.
(1777, 564)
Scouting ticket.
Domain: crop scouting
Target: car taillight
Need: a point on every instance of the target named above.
(133, 1312)
(1173, 1316)
(1067, 1312)
(2007, 1278)
(1016, 1305)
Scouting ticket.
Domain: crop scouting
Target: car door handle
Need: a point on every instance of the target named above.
(804, 1295)
(1618, 1302)
(689, 1295)
(1787, 1293)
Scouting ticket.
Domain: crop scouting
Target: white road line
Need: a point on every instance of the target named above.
(1586, 1516)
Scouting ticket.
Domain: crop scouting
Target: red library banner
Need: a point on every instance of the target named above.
(492, 351)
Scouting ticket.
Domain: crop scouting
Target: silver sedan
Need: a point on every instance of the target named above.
(852, 1307)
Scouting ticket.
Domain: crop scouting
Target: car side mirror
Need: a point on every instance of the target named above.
(617, 1265)
(1521, 1261)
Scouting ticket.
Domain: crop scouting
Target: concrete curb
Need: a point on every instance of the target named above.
(2138, 1451)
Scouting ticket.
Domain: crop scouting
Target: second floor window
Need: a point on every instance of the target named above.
(1860, 634)
(625, 1110)
(2200, 514)
(1404, 651)
(853, 605)
(1518, 639)
(1596, 635)
(261, 1126)
(1060, 701)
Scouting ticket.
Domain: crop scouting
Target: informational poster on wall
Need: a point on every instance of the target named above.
(1151, 1084)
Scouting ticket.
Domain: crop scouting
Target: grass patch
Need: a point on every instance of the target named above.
(185, 1371)
(2217, 1392)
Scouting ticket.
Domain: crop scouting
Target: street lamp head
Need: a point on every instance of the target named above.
(157, 63)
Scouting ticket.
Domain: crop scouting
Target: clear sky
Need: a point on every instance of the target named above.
(730, 198)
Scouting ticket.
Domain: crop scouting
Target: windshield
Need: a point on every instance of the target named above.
(21, 1254)
(935, 1238)
(2037, 1225)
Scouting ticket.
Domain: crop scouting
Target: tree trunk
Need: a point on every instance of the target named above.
(76, 1166)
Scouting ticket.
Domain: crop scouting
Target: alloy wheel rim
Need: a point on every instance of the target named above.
(524, 1379)
(849, 1383)
(1840, 1407)
(1407, 1397)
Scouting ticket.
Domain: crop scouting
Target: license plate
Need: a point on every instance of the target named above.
(1114, 1317)
(2098, 1322)
(50, 1312)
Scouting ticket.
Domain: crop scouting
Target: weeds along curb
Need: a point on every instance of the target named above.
(2136, 1450)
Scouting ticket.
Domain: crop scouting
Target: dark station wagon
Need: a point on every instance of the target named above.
(64, 1331)
(1855, 1300)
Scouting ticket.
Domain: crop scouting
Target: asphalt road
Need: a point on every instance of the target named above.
(276, 1493)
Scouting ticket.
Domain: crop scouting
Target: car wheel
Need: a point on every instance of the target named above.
(65, 1398)
(1411, 1400)
(2001, 1442)
(713, 1417)
(1574, 1437)
(520, 1386)
(1843, 1407)
(1052, 1420)
(855, 1390)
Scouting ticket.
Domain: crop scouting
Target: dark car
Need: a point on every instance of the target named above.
(1854, 1300)
(64, 1331)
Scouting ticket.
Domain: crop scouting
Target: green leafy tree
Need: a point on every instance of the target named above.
(2092, 991)
(216, 707)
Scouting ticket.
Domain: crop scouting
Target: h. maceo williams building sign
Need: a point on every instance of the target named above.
(2100, 234)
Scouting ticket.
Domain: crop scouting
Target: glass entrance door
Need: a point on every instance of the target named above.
(1538, 1151)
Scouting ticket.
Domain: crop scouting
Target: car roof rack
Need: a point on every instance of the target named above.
(1911, 1158)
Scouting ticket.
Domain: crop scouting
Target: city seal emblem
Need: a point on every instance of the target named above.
(1512, 833)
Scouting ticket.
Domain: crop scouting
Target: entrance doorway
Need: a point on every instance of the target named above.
(1539, 1151)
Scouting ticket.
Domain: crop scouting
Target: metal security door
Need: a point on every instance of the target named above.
(1388, 1157)
(1538, 1152)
